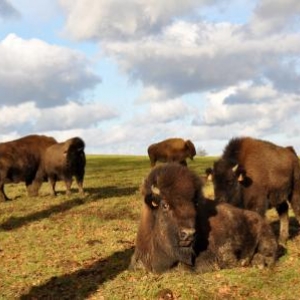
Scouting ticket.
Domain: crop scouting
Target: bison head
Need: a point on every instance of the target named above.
(228, 180)
(191, 151)
(73, 150)
(167, 228)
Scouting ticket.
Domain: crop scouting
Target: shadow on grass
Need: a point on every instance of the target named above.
(94, 194)
(84, 282)
(16, 222)
(110, 191)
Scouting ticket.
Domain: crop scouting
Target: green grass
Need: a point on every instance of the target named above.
(80, 247)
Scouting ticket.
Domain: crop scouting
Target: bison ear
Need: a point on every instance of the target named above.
(153, 199)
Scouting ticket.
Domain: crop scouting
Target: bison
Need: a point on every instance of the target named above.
(171, 150)
(178, 225)
(258, 175)
(65, 160)
(21, 160)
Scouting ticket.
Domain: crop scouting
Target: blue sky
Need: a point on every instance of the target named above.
(125, 74)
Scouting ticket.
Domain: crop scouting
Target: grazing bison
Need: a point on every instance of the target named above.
(171, 150)
(65, 160)
(258, 175)
(178, 225)
(21, 160)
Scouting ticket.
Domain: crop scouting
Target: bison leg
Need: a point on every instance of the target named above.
(68, 183)
(282, 210)
(33, 188)
(52, 182)
(295, 204)
(206, 261)
(79, 181)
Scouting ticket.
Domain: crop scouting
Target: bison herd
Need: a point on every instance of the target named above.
(35, 158)
(178, 224)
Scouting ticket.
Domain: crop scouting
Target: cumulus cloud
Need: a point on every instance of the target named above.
(7, 11)
(273, 16)
(264, 111)
(189, 57)
(26, 117)
(74, 115)
(119, 19)
(165, 112)
(33, 70)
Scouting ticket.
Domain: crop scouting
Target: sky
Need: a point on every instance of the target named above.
(123, 74)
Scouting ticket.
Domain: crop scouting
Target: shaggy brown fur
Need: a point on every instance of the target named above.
(178, 223)
(21, 160)
(65, 160)
(230, 237)
(171, 150)
(265, 176)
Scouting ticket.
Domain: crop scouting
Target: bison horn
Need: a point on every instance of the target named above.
(234, 169)
(155, 190)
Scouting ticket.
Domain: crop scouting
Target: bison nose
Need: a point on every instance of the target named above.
(187, 234)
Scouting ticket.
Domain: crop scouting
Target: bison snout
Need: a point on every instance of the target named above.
(186, 236)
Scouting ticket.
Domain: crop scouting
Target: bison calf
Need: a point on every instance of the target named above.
(21, 160)
(178, 225)
(171, 150)
(65, 160)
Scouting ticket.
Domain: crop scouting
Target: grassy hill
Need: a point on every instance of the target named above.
(79, 247)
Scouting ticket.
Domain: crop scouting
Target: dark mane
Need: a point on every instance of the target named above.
(232, 150)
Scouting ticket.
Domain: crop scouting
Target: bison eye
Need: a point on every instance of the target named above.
(165, 205)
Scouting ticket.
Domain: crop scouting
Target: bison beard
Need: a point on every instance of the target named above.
(178, 225)
(166, 230)
(65, 160)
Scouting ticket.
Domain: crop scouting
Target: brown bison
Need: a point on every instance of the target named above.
(178, 225)
(65, 160)
(21, 160)
(171, 150)
(258, 175)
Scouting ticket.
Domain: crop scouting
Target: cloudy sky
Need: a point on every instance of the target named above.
(125, 74)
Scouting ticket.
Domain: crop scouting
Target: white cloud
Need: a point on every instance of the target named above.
(189, 57)
(74, 115)
(119, 19)
(19, 117)
(33, 70)
(27, 118)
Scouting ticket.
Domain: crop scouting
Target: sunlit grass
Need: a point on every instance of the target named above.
(80, 247)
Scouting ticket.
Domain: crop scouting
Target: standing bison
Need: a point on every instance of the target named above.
(171, 150)
(258, 175)
(65, 160)
(178, 225)
(21, 160)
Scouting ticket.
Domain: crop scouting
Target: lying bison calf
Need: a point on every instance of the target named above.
(65, 160)
(178, 225)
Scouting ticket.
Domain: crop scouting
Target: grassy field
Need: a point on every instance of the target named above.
(80, 247)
